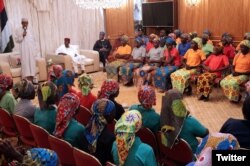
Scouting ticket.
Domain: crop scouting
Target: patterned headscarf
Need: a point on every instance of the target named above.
(146, 96)
(24, 89)
(6, 81)
(177, 32)
(173, 114)
(198, 41)
(247, 36)
(214, 141)
(170, 41)
(172, 35)
(85, 83)
(185, 36)
(228, 38)
(100, 108)
(125, 38)
(125, 130)
(109, 87)
(57, 69)
(41, 156)
(245, 43)
(67, 107)
(206, 31)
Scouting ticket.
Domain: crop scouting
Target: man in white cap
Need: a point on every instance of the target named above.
(71, 50)
(28, 50)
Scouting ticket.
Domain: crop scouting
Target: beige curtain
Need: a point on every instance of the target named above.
(52, 20)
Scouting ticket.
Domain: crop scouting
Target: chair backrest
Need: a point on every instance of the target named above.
(181, 152)
(82, 158)
(148, 137)
(63, 149)
(83, 116)
(8, 124)
(23, 127)
(40, 135)
(111, 126)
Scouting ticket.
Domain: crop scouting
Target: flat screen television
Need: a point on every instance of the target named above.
(158, 14)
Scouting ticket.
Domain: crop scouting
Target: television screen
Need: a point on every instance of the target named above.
(158, 14)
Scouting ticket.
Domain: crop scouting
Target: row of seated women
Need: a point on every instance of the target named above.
(122, 147)
(170, 65)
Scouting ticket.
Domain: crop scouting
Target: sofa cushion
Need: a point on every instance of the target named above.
(16, 72)
(88, 61)
(15, 61)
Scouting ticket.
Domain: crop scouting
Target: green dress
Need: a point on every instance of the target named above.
(8, 102)
(140, 154)
(46, 119)
(150, 118)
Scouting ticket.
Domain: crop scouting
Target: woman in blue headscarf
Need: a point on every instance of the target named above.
(138, 55)
(98, 139)
(65, 82)
(172, 62)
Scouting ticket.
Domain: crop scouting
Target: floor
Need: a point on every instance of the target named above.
(212, 113)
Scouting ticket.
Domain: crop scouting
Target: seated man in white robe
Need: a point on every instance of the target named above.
(77, 59)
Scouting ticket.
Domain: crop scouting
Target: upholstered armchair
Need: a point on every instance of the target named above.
(10, 64)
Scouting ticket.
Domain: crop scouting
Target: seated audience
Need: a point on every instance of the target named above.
(240, 128)
(161, 75)
(207, 32)
(45, 116)
(147, 99)
(55, 73)
(104, 47)
(184, 45)
(65, 82)
(192, 61)
(67, 127)
(98, 139)
(121, 55)
(177, 33)
(228, 49)
(213, 65)
(150, 43)
(241, 71)
(26, 92)
(128, 149)
(110, 90)
(136, 60)
(7, 100)
(31, 157)
(77, 59)
(207, 48)
(214, 141)
(85, 84)
(163, 35)
(246, 37)
(142, 37)
(176, 121)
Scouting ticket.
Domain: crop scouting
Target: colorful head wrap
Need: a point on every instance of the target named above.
(206, 31)
(67, 107)
(177, 32)
(247, 36)
(109, 88)
(184, 36)
(125, 130)
(85, 83)
(6, 81)
(198, 41)
(228, 39)
(245, 43)
(205, 36)
(146, 96)
(57, 69)
(214, 141)
(100, 108)
(25, 89)
(125, 38)
(172, 35)
(170, 41)
(41, 156)
(173, 114)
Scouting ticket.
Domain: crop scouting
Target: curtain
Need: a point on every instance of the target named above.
(52, 20)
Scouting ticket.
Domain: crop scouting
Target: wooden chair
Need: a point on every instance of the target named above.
(83, 116)
(148, 137)
(23, 127)
(180, 154)
(8, 123)
(40, 135)
(82, 158)
(63, 149)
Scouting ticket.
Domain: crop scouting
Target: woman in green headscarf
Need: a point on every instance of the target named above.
(240, 75)
(85, 84)
(192, 61)
(45, 116)
(128, 149)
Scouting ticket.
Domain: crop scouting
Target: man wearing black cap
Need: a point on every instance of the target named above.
(104, 47)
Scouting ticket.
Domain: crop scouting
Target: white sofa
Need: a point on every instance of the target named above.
(8, 65)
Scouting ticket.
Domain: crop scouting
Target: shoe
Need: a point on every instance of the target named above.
(206, 98)
(201, 97)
